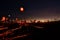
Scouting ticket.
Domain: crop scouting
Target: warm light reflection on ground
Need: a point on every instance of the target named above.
(38, 27)
(3, 28)
(20, 36)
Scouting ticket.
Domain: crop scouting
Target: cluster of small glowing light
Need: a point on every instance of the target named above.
(21, 9)
(42, 21)
(37, 21)
(50, 20)
(46, 20)
(28, 21)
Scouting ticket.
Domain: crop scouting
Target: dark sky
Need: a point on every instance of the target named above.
(33, 8)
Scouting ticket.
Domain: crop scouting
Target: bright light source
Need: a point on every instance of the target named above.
(3, 18)
(21, 9)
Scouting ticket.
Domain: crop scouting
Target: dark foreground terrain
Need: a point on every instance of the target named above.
(29, 31)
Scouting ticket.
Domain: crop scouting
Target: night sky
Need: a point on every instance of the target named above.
(32, 8)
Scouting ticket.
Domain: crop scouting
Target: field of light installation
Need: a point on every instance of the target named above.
(29, 19)
(32, 30)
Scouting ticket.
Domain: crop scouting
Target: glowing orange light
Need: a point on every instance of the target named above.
(3, 18)
(21, 9)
